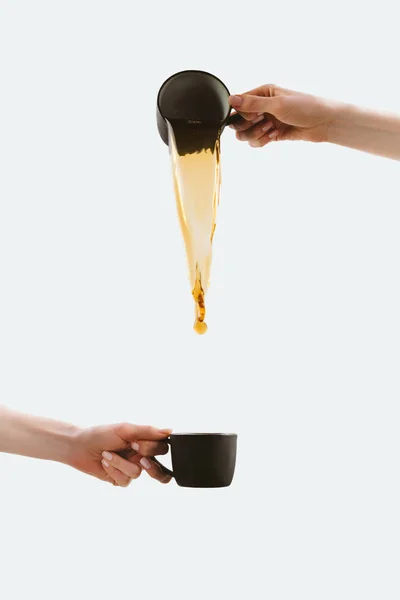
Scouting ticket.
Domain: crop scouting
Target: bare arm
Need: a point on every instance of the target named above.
(270, 113)
(367, 130)
(114, 453)
(36, 437)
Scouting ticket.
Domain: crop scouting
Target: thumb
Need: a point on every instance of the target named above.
(132, 433)
(246, 103)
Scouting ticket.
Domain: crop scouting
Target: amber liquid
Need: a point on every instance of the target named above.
(196, 176)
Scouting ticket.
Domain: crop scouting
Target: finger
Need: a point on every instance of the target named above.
(154, 470)
(269, 90)
(255, 132)
(265, 139)
(132, 433)
(237, 120)
(146, 448)
(130, 469)
(249, 116)
(248, 104)
(127, 453)
(118, 477)
(243, 124)
(238, 117)
(133, 457)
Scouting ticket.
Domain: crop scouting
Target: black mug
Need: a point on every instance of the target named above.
(202, 460)
(191, 97)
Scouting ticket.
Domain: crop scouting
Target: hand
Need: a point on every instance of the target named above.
(272, 113)
(118, 453)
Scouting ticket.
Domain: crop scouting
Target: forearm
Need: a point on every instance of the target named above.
(36, 437)
(366, 130)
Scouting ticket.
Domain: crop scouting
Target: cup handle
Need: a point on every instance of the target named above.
(163, 467)
(232, 119)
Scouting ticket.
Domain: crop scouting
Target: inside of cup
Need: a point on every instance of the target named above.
(194, 95)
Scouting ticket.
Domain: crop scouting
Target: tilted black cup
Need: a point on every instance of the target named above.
(202, 460)
(191, 98)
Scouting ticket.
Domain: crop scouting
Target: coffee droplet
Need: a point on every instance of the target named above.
(195, 157)
(200, 327)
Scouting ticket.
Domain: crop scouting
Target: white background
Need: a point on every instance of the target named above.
(302, 353)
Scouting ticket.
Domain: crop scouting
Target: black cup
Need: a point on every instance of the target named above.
(202, 460)
(193, 97)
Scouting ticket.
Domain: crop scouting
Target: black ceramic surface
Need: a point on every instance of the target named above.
(203, 460)
(191, 98)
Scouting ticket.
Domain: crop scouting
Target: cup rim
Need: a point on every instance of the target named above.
(212, 434)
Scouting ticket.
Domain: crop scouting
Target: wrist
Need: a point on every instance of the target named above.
(56, 441)
(324, 113)
(336, 114)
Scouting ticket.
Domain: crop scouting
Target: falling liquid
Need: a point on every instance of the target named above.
(196, 176)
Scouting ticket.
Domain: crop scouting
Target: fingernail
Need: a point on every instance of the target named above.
(260, 113)
(266, 126)
(166, 431)
(273, 134)
(135, 446)
(146, 464)
(236, 101)
(105, 463)
(258, 120)
(107, 455)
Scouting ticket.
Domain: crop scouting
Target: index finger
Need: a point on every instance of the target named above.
(239, 118)
(132, 433)
(147, 448)
(257, 101)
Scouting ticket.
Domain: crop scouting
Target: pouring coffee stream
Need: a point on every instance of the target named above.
(192, 112)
